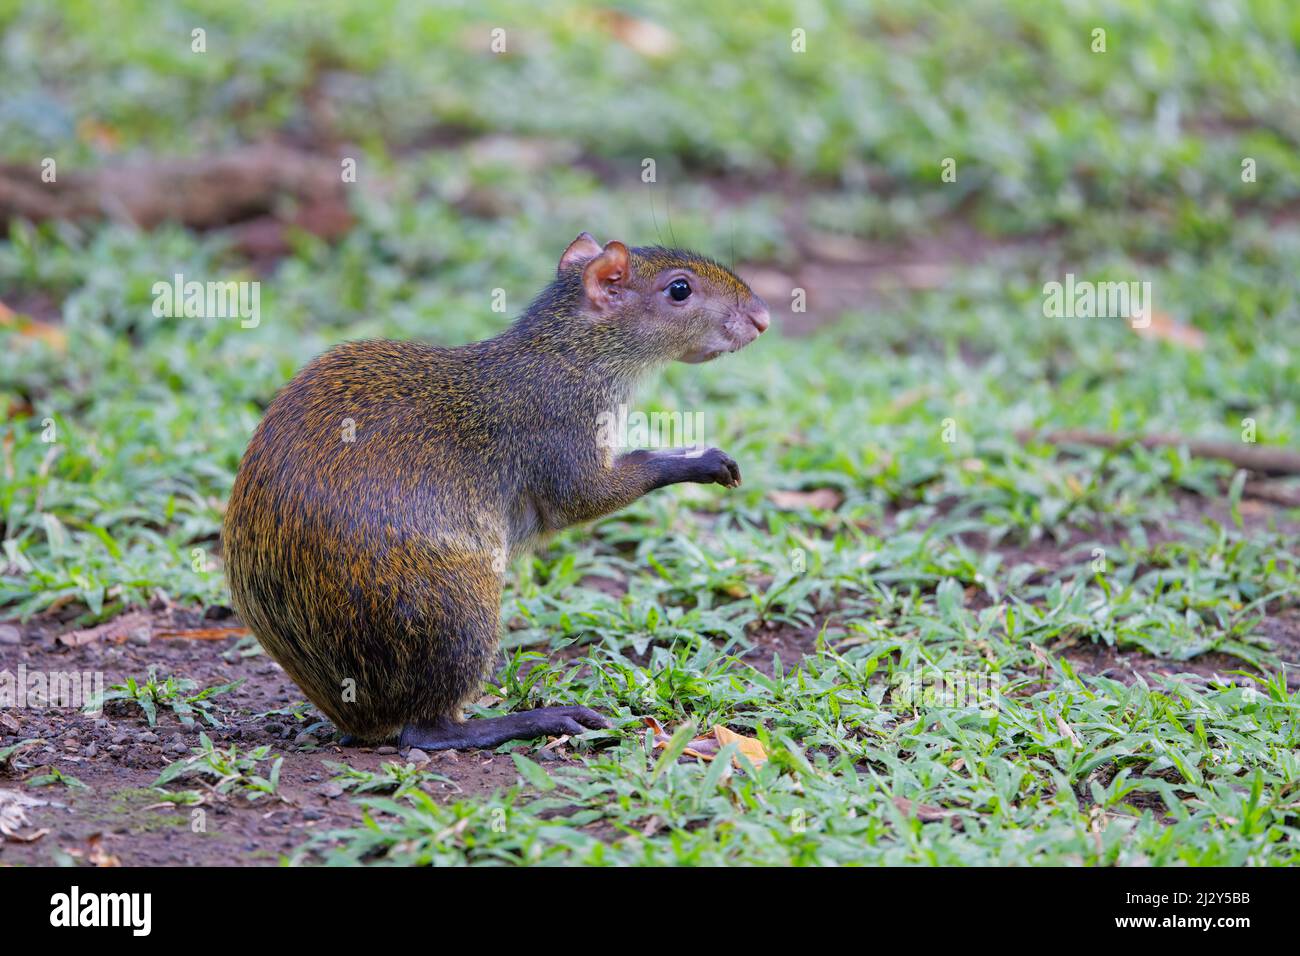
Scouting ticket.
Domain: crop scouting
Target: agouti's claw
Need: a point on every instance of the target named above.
(730, 475)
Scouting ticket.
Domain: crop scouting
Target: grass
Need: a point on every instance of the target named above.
(395, 778)
(1150, 776)
(229, 770)
(177, 694)
(976, 556)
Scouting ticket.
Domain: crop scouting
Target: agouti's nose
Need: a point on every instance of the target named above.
(760, 317)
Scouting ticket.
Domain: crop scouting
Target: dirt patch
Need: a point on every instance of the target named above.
(1283, 633)
(790, 644)
(1102, 660)
(116, 756)
(849, 274)
(1281, 630)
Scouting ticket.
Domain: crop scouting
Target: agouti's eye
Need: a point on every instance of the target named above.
(678, 290)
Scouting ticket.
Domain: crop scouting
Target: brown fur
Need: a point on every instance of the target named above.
(378, 563)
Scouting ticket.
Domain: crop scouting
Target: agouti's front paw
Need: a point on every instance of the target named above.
(717, 466)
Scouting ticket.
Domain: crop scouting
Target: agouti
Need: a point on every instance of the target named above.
(376, 508)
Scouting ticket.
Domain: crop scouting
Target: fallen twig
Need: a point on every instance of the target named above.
(1265, 460)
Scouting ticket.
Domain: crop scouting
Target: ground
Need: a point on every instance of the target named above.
(956, 639)
(106, 807)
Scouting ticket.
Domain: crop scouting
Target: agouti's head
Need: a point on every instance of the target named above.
(664, 304)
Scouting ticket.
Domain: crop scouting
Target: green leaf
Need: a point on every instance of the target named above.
(533, 772)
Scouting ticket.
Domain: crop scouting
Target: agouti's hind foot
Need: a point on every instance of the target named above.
(494, 731)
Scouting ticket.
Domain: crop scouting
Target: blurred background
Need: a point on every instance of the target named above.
(918, 169)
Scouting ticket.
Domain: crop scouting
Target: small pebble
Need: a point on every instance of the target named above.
(386, 749)
(9, 634)
(313, 815)
(90, 750)
(416, 755)
(141, 636)
(147, 737)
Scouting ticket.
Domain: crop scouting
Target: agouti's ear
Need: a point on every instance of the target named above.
(580, 250)
(605, 277)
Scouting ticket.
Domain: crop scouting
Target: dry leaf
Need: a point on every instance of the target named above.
(824, 499)
(1067, 730)
(643, 36)
(20, 747)
(1041, 655)
(909, 397)
(29, 328)
(98, 856)
(555, 744)
(98, 134)
(115, 630)
(707, 747)
(205, 633)
(13, 814)
(926, 813)
(748, 746)
(455, 830)
(1166, 328)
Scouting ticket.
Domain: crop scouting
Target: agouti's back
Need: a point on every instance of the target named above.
(356, 531)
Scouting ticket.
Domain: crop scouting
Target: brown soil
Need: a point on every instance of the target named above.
(790, 644)
(118, 757)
